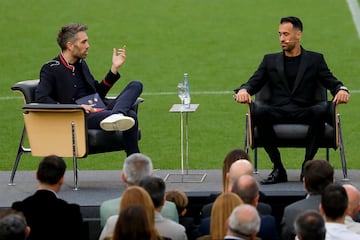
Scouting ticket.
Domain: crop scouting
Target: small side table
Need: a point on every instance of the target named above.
(184, 127)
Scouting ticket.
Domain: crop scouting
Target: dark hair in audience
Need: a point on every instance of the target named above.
(68, 33)
(156, 188)
(133, 224)
(12, 225)
(310, 225)
(334, 201)
(51, 169)
(296, 22)
(230, 158)
(317, 175)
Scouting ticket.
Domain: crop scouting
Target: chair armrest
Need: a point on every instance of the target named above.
(332, 111)
(49, 106)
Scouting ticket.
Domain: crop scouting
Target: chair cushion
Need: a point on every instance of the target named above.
(294, 135)
(103, 141)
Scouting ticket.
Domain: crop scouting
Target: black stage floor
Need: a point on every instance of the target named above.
(97, 186)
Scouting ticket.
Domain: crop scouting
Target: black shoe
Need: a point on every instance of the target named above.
(276, 176)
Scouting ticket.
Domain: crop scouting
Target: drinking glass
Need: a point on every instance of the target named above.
(181, 92)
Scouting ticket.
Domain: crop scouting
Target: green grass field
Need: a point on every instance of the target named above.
(219, 43)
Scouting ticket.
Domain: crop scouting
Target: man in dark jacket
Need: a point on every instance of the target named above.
(294, 76)
(48, 216)
(67, 80)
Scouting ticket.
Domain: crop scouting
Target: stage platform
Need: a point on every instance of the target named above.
(97, 186)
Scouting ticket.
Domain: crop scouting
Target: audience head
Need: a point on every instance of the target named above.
(133, 224)
(137, 195)
(317, 175)
(51, 171)
(136, 167)
(334, 202)
(220, 212)
(354, 200)
(310, 225)
(247, 188)
(13, 225)
(244, 222)
(155, 187)
(239, 168)
(180, 199)
(230, 158)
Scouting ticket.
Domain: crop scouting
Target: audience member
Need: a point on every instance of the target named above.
(13, 225)
(334, 202)
(47, 214)
(310, 225)
(167, 228)
(236, 164)
(353, 208)
(214, 227)
(135, 167)
(230, 158)
(132, 195)
(133, 224)
(317, 175)
(243, 224)
(247, 188)
(181, 201)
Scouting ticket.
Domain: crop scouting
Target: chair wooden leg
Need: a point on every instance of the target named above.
(21, 150)
(342, 151)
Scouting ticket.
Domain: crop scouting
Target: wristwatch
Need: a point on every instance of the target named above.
(344, 88)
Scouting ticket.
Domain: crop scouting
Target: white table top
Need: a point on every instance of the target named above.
(183, 108)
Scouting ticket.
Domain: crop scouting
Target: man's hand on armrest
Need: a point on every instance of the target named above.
(242, 96)
(341, 96)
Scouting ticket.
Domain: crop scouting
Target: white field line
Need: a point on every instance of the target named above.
(4, 98)
(355, 12)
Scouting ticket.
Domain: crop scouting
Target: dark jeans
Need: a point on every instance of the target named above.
(122, 104)
(265, 116)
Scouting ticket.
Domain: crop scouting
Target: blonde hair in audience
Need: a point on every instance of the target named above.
(221, 211)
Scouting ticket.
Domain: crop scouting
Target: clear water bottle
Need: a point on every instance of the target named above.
(187, 98)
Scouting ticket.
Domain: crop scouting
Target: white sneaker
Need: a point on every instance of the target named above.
(117, 122)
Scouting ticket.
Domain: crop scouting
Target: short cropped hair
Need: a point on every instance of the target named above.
(310, 225)
(244, 220)
(334, 201)
(318, 174)
(68, 33)
(51, 169)
(155, 186)
(12, 225)
(136, 167)
(295, 21)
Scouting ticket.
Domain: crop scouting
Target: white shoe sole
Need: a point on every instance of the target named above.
(122, 124)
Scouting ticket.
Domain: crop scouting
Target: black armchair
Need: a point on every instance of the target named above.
(61, 129)
(294, 135)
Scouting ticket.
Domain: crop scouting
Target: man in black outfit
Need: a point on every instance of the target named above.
(67, 78)
(293, 76)
(48, 216)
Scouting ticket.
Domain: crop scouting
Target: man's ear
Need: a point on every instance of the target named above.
(27, 231)
(123, 177)
(321, 210)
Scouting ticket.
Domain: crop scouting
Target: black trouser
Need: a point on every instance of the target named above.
(122, 104)
(265, 116)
